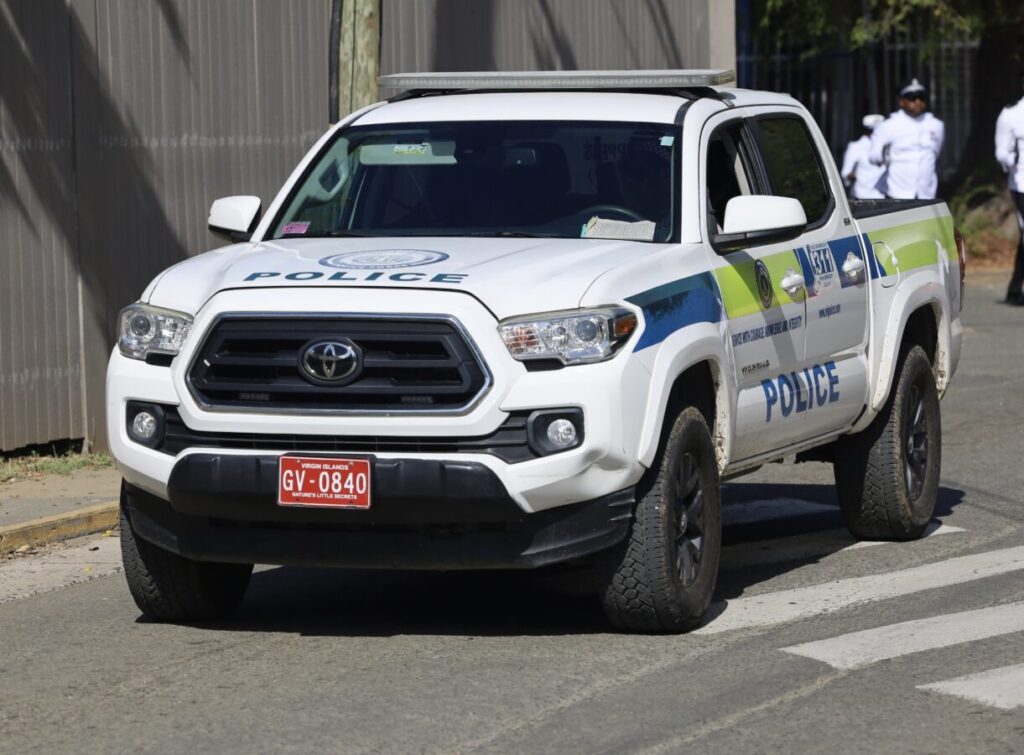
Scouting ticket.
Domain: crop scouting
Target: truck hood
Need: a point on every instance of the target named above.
(510, 276)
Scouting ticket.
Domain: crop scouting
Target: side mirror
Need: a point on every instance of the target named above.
(759, 219)
(234, 217)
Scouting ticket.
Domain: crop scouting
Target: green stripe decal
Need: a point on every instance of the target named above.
(913, 244)
(738, 282)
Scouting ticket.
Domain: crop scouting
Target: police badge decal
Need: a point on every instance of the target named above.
(764, 283)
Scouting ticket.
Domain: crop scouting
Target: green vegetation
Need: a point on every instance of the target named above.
(36, 464)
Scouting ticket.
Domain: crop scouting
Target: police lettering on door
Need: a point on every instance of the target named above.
(819, 386)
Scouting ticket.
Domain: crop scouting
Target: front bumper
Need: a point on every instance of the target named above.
(426, 514)
(612, 396)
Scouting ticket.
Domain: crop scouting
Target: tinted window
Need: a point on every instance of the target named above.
(518, 178)
(726, 175)
(792, 163)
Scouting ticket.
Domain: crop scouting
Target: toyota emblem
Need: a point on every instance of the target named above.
(329, 362)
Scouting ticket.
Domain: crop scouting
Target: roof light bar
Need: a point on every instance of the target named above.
(667, 79)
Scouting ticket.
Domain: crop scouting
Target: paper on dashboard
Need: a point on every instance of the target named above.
(601, 228)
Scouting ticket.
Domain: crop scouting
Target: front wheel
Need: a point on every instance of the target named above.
(887, 477)
(169, 587)
(662, 577)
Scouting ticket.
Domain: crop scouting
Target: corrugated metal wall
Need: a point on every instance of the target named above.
(454, 35)
(120, 122)
(40, 356)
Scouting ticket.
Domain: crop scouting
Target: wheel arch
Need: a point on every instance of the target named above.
(920, 317)
(695, 377)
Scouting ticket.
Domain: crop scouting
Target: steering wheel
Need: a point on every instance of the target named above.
(594, 208)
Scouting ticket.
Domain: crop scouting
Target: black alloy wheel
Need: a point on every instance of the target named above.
(689, 520)
(915, 442)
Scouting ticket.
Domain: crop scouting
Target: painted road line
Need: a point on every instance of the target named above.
(30, 575)
(857, 649)
(781, 606)
(933, 529)
(999, 688)
(775, 508)
(796, 547)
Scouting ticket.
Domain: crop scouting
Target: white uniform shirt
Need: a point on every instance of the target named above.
(1010, 144)
(867, 175)
(909, 148)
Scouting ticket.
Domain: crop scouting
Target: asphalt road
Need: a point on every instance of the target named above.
(370, 662)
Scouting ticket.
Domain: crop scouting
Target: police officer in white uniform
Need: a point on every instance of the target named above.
(1010, 154)
(860, 175)
(908, 144)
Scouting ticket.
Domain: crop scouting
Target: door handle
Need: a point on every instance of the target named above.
(792, 282)
(853, 267)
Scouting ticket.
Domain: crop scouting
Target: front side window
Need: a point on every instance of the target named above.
(513, 178)
(791, 160)
(726, 173)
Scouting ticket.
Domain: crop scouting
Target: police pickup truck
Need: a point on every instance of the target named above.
(513, 320)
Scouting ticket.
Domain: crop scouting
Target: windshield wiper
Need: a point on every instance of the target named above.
(516, 235)
(323, 235)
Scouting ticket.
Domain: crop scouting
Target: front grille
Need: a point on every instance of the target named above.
(508, 442)
(252, 362)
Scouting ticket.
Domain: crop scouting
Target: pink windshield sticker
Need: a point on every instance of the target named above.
(296, 227)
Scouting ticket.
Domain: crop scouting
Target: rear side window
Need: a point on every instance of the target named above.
(791, 160)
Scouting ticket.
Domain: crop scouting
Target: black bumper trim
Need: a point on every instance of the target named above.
(508, 442)
(426, 515)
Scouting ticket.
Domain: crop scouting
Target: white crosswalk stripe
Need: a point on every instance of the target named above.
(858, 649)
(1000, 687)
(803, 602)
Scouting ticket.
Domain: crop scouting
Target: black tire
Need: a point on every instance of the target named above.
(662, 576)
(169, 587)
(887, 477)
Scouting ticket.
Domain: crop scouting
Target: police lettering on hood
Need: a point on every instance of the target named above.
(908, 144)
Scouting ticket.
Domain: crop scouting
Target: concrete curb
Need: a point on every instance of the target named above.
(50, 529)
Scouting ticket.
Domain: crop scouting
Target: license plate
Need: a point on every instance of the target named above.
(324, 482)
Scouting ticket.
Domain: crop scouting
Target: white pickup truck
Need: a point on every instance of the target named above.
(513, 320)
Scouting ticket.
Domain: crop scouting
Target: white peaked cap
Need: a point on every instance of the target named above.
(914, 87)
(870, 121)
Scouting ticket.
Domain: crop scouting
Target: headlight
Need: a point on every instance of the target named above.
(578, 337)
(143, 330)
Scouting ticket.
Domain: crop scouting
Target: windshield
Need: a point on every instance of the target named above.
(510, 178)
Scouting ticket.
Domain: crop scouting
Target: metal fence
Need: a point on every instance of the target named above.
(120, 121)
(839, 87)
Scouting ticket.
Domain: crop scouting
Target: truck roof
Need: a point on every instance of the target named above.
(645, 106)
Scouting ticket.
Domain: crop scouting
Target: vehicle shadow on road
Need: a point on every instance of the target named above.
(363, 603)
(782, 527)
(385, 603)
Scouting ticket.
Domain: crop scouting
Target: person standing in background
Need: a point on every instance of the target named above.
(860, 175)
(908, 143)
(1009, 145)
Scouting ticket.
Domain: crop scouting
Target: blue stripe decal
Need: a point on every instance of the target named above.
(877, 271)
(840, 249)
(673, 306)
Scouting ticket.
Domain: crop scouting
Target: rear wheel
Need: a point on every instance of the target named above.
(169, 587)
(887, 477)
(662, 577)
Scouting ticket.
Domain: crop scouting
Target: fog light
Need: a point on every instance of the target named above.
(550, 431)
(145, 423)
(144, 426)
(562, 433)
